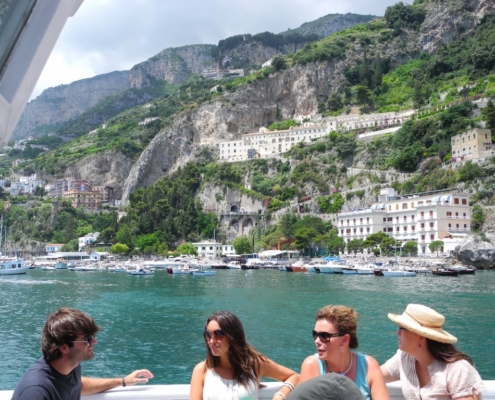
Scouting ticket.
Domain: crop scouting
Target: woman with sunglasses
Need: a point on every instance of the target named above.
(335, 335)
(233, 368)
(427, 363)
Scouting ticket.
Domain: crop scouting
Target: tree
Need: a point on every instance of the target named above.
(363, 95)
(410, 248)
(124, 236)
(187, 248)
(39, 191)
(478, 217)
(243, 245)
(334, 102)
(286, 222)
(374, 240)
(489, 114)
(120, 248)
(435, 246)
(279, 63)
(378, 71)
(336, 245)
(355, 246)
(304, 237)
(149, 240)
(418, 94)
(73, 245)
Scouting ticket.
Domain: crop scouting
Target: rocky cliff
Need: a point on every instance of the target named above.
(173, 65)
(447, 20)
(329, 24)
(62, 103)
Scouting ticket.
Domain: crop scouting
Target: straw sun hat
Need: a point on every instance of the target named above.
(423, 321)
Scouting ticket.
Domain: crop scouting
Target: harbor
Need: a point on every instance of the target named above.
(155, 322)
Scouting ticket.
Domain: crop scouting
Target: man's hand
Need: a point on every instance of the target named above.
(139, 376)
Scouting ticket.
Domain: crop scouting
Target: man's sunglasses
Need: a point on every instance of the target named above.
(218, 334)
(88, 341)
(326, 336)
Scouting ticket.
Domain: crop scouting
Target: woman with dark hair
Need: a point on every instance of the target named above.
(335, 334)
(427, 363)
(233, 368)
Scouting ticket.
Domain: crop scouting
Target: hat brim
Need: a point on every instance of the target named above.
(436, 334)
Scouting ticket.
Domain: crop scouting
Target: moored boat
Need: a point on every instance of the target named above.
(444, 272)
(142, 271)
(463, 270)
(234, 265)
(13, 267)
(398, 273)
(204, 273)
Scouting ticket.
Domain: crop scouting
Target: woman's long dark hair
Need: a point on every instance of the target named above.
(446, 352)
(245, 360)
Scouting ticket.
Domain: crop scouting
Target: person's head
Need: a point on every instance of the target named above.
(67, 326)
(336, 326)
(225, 338)
(421, 330)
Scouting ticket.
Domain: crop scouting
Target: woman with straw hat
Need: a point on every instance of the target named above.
(427, 363)
(335, 334)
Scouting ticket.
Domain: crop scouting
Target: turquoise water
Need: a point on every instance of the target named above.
(156, 322)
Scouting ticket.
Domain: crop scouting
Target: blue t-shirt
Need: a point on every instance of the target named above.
(43, 382)
(361, 373)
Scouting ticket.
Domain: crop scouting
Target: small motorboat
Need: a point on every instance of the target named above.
(204, 273)
(444, 272)
(397, 273)
(462, 270)
(142, 271)
(234, 265)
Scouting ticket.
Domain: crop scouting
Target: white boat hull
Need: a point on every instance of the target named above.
(398, 273)
(181, 392)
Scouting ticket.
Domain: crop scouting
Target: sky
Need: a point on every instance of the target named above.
(114, 35)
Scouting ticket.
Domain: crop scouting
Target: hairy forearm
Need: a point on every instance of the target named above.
(97, 385)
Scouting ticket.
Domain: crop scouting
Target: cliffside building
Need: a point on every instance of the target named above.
(422, 217)
(266, 144)
(471, 145)
(87, 199)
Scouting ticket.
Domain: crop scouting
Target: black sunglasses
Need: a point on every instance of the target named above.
(326, 336)
(88, 340)
(218, 334)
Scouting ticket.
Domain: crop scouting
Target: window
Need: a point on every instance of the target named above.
(354, 230)
(384, 229)
(367, 219)
(423, 238)
(422, 214)
(431, 224)
(360, 220)
(456, 214)
(404, 206)
(413, 228)
(397, 229)
(396, 206)
(341, 231)
(390, 229)
(464, 201)
(341, 222)
(389, 207)
(384, 219)
(389, 219)
(412, 204)
(449, 214)
(354, 221)
(456, 200)
(431, 214)
(465, 226)
(412, 218)
(405, 218)
(422, 225)
(397, 219)
(457, 226)
(368, 230)
(432, 237)
(361, 230)
(450, 226)
(405, 229)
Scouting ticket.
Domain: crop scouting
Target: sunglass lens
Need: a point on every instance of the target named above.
(219, 334)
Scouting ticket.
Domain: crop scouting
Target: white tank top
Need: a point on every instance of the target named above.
(218, 388)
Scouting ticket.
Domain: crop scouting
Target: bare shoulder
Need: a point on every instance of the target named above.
(372, 363)
(310, 361)
(200, 367)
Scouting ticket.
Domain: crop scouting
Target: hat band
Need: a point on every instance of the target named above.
(412, 319)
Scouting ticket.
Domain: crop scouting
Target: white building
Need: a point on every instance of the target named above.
(423, 217)
(53, 247)
(88, 239)
(266, 144)
(28, 187)
(208, 249)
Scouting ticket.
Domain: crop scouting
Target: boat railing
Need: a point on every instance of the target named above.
(181, 392)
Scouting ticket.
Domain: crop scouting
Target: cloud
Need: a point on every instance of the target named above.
(110, 35)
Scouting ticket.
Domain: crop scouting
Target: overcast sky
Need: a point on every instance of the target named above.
(110, 35)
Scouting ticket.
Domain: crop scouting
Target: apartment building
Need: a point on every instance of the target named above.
(107, 194)
(471, 144)
(61, 186)
(422, 217)
(87, 199)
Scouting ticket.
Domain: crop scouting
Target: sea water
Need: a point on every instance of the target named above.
(156, 322)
